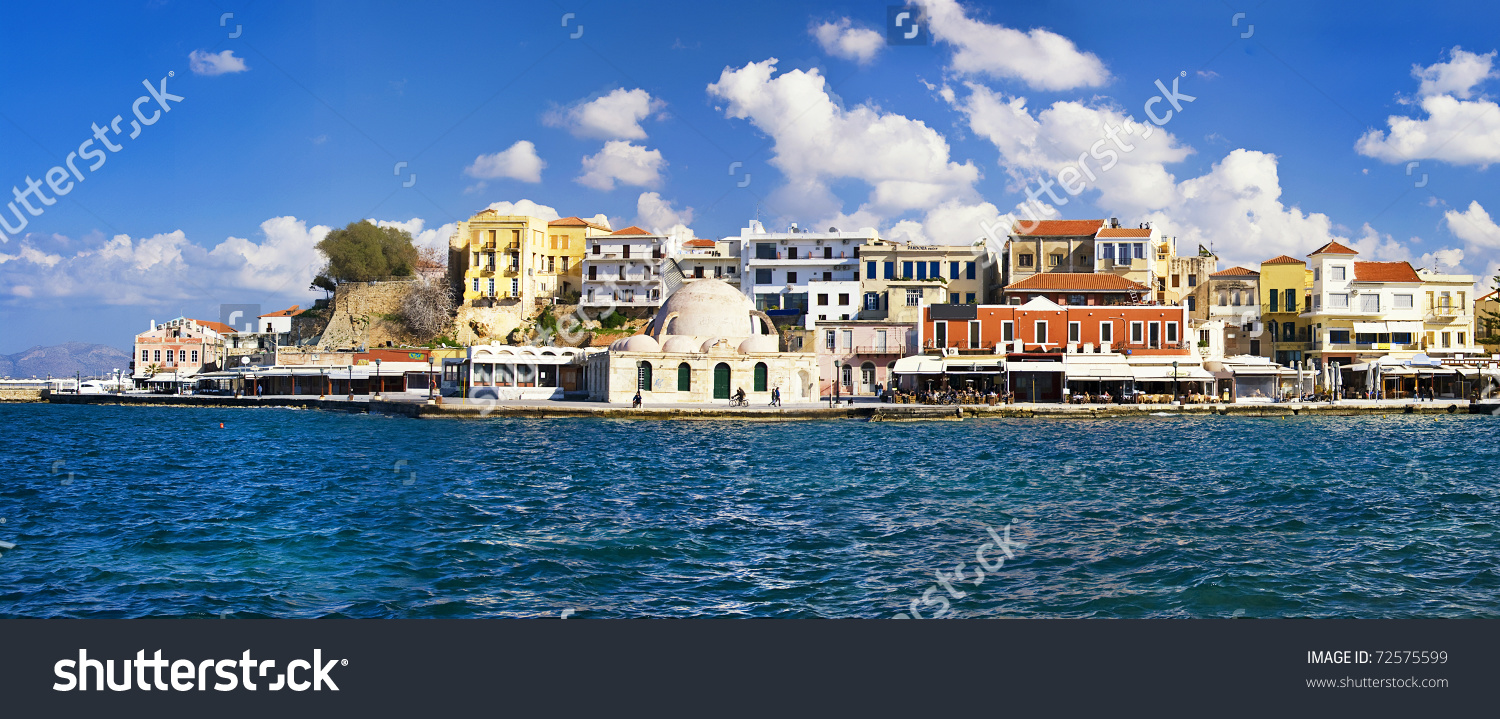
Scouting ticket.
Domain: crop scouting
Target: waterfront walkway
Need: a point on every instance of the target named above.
(415, 404)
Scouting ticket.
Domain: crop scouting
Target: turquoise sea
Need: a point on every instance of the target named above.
(147, 511)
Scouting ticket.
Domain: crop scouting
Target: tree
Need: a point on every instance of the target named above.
(1490, 321)
(322, 282)
(362, 252)
(427, 308)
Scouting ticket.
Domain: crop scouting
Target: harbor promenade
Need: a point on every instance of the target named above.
(413, 404)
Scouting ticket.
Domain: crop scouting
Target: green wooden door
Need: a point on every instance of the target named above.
(721, 381)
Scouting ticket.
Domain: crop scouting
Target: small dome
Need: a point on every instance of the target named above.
(681, 344)
(709, 308)
(709, 343)
(637, 343)
(759, 343)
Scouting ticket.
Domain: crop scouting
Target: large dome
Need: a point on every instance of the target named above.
(708, 308)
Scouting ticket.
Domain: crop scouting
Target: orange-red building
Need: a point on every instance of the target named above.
(1045, 326)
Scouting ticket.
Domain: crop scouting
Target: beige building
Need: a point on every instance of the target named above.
(897, 278)
(705, 342)
(1052, 246)
(1233, 302)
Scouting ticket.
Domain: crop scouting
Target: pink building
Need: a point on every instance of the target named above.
(866, 350)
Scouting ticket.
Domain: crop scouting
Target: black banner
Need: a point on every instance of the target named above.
(747, 667)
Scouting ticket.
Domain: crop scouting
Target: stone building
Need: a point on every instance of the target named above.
(705, 342)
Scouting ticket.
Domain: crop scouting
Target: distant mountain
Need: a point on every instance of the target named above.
(65, 360)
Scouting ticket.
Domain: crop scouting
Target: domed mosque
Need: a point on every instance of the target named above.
(705, 342)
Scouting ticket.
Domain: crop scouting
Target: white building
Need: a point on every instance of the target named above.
(1362, 311)
(627, 268)
(719, 259)
(278, 323)
(706, 342)
(816, 273)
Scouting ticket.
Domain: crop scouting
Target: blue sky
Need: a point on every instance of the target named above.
(1288, 143)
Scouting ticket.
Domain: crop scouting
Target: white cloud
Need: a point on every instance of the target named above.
(1129, 181)
(525, 208)
(658, 215)
(841, 39)
(817, 141)
(518, 162)
(615, 116)
(1458, 76)
(1474, 226)
(202, 62)
(1040, 58)
(1457, 129)
(436, 238)
(622, 162)
(165, 267)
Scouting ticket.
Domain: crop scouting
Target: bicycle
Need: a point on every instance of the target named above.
(739, 402)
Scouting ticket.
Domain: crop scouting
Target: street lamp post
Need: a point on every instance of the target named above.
(351, 381)
(837, 364)
(378, 387)
(431, 378)
(322, 382)
(1176, 397)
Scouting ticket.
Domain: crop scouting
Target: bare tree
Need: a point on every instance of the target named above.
(427, 308)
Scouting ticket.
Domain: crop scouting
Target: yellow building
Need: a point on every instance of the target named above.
(566, 243)
(1284, 285)
(517, 259)
(1487, 316)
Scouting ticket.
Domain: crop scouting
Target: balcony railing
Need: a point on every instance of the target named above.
(878, 350)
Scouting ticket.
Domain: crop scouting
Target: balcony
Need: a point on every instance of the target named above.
(878, 350)
(1444, 314)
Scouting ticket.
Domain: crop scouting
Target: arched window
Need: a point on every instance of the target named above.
(643, 376)
(760, 376)
(684, 378)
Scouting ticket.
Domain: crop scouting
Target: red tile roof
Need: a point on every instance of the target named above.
(288, 312)
(575, 222)
(698, 243)
(1235, 272)
(1077, 282)
(1333, 248)
(1385, 272)
(1284, 260)
(1124, 232)
(1057, 228)
(631, 230)
(1488, 296)
(219, 327)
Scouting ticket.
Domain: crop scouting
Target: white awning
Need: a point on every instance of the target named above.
(1371, 328)
(919, 364)
(1163, 373)
(1249, 370)
(1412, 327)
(1034, 367)
(1106, 372)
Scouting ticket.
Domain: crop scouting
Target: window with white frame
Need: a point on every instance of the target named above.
(1137, 332)
(1337, 273)
(913, 297)
(1340, 300)
(1369, 302)
(1106, 331)
(1007, 331)
(1171, 333)
(1075, 331)
(1041, 332)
